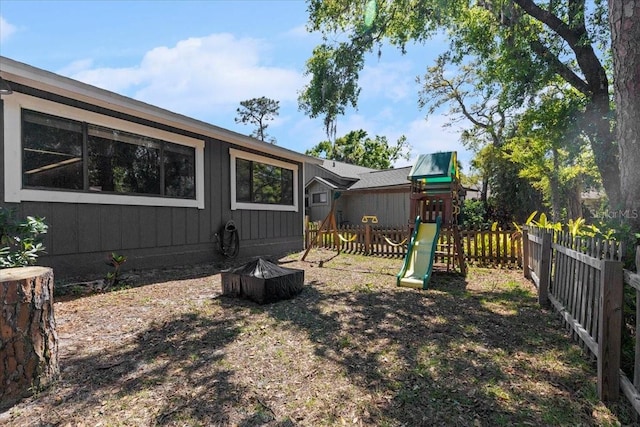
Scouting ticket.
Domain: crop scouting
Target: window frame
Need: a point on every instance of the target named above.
(245, 155)
(16, 193)
(321, 203)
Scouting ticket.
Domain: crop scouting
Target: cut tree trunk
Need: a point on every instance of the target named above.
(29, 345)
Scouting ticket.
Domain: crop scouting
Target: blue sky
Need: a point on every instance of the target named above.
(201, 58)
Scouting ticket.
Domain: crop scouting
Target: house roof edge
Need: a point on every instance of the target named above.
(15, 71)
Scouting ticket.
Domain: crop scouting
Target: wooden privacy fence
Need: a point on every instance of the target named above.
(632, 390)
(362, 239)
(483, 247)
(583, 280)
(492, 247)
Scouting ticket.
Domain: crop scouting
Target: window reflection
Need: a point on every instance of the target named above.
(115, 161)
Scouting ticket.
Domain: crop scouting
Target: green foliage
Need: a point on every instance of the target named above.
(550, 151)
(473, 214)
(20, 241)
(511, 196)
(333, 86)
(112, 277)
(356, 148)
(603, 228)
(258, 111)
(504, 58)
(619, 230)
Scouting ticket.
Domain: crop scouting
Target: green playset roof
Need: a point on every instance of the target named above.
(435, 168)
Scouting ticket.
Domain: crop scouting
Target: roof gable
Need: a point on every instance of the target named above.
(329, 183)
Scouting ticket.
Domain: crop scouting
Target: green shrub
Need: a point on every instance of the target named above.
(473, 214)
(20, 240)
(112, 277)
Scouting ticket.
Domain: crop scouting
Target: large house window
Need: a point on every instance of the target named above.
(262, 183)
(60, 153)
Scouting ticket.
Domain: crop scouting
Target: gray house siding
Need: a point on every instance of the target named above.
(82, 235)
(317, 212)
(390, 207)
(365, 192)
(314, 170)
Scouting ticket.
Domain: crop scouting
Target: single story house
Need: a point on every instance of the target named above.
(113, 174)
(366, 195)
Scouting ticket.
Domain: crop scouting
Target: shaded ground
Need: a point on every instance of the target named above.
(352, 349)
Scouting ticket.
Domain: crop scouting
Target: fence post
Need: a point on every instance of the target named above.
(525, 252)
(610, 331)
(545, 270)
(367, 239)
(636, 371)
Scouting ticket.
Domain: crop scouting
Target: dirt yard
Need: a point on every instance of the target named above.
(351, 349)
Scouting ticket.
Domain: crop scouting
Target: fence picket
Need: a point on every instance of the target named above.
(497, 248)
(586, 289)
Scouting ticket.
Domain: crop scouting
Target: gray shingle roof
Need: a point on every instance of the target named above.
(363, 177)
(382, 178)
(344, 170)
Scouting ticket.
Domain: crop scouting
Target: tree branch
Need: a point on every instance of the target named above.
(576, 37)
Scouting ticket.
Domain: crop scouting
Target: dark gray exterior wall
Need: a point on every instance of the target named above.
(81, 236)
(391, 207)
(317, 212)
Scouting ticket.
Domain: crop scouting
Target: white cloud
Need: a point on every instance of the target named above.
(198, 76)
(429, 136)
(119, 80)
(424, 136)
(391, 80)
(6, 29)
(76, 67)
(300, 33)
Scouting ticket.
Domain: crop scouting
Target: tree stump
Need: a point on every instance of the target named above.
(29, 345)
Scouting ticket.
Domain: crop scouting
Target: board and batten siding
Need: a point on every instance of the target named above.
(391, 207)
(318, 211)
(81, 236)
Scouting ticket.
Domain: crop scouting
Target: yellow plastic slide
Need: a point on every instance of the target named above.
(416, 270)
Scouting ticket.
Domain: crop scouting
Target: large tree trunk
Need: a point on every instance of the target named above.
(574, 200)
(624, 18)
(605, 152)
(29, 346)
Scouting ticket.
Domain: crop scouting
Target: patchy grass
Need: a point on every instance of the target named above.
(352, 349)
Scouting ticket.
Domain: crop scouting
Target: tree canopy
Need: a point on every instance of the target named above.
(358, 149)
(258, 111)
(505, 56)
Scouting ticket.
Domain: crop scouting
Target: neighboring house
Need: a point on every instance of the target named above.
(112, 174)
(594, 200)
(364, 193)
(471, 193)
